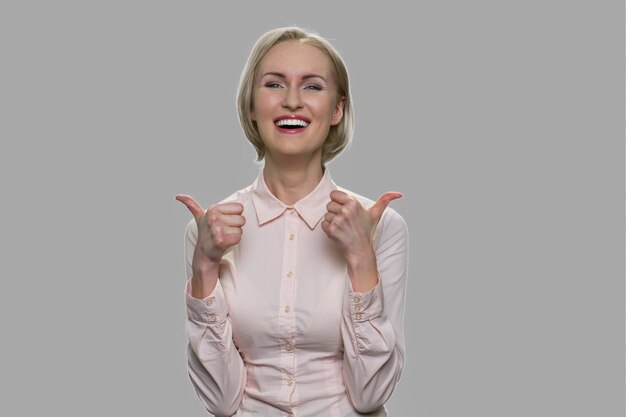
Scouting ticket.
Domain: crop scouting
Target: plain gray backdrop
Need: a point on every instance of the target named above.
(501, 122)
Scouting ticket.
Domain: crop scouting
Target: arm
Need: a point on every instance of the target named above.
(215, 367)
(373, 322)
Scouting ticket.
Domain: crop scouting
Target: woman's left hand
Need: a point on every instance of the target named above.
(351, 226)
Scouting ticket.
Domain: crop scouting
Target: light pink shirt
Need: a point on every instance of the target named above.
(282, 333)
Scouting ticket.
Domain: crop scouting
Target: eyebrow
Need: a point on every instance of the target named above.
(304, 77)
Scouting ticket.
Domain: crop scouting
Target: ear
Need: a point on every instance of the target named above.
(338, 114)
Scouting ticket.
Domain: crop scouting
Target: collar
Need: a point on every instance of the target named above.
(311, 208)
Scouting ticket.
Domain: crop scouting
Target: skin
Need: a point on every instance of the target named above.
(293, 167)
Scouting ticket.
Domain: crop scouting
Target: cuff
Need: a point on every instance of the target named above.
(211, 310)
(364, 306)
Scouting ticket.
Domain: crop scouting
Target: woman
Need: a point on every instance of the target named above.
(295, 291)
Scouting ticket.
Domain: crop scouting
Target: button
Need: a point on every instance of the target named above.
(291, 210)
(356, 299)
(287, 309)
(209, 301)
(358, 316)
(212, 318)
(290, 382)
(289, 274)
(292, 236)
(358, 308)
(289, 347)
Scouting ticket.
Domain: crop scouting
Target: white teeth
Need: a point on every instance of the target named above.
(291, 122)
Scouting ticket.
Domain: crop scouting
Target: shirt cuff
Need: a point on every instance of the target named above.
(366, 305)
(211, 310)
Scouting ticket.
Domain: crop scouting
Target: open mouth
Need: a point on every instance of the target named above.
(291, 125)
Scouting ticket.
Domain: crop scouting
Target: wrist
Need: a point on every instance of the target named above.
(202, 266)
(204, 279)
(363, 271)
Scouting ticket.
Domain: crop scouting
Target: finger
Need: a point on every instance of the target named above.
(229, 208)
(325, 224)
(339, 196)
(376, 211)
(224, 236)
(225, 240)
(192, 205)
(232, 239)
(228, 219)
(334, 207)
(329, 217)
(229, 230)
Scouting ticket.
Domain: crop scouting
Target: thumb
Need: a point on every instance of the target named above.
(192, 205)
(376, 211)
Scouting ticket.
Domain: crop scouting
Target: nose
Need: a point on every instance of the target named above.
(292, 98)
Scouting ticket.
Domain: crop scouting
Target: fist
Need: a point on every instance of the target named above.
(350, 225)
(219, 227)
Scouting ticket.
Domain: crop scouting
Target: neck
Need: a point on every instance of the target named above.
(292, 182)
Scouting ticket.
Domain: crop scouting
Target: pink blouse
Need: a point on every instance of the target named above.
(283, 333)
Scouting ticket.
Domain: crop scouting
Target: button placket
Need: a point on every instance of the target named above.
(286, 303)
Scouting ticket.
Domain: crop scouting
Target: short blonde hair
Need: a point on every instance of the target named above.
(340, 135)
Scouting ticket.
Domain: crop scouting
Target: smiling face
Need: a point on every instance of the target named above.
(295, 100)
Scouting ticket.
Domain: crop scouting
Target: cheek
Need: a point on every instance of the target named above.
(257, 102)
(331, 107)
(264, 104)
(319, 109)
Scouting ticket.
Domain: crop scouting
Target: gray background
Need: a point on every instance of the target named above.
(501, 122)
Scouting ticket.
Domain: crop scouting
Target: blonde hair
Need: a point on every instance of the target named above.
(340, 135)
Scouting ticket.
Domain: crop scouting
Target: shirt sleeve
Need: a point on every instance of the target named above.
(214, 364)
(373, 322)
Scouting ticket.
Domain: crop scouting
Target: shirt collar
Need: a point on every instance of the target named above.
(311, 207)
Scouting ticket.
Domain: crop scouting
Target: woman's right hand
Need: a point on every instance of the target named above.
(219, 228)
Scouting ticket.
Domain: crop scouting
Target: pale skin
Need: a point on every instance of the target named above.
(293, 78)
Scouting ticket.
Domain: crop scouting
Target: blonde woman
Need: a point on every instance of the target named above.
(296, 287)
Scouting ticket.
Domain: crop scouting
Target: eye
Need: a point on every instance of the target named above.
(272, 85)
(313, 87)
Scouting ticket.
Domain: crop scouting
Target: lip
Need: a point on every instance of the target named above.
(289, 131)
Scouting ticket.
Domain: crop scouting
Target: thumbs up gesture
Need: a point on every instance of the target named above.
(219, 227)
(351, 226)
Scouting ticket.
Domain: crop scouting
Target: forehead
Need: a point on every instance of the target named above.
(294, 57)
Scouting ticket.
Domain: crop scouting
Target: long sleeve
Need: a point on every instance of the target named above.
(283, 333)
(215, 366)
(372, 327)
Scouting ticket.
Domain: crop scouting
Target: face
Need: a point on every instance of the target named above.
(295, 100)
